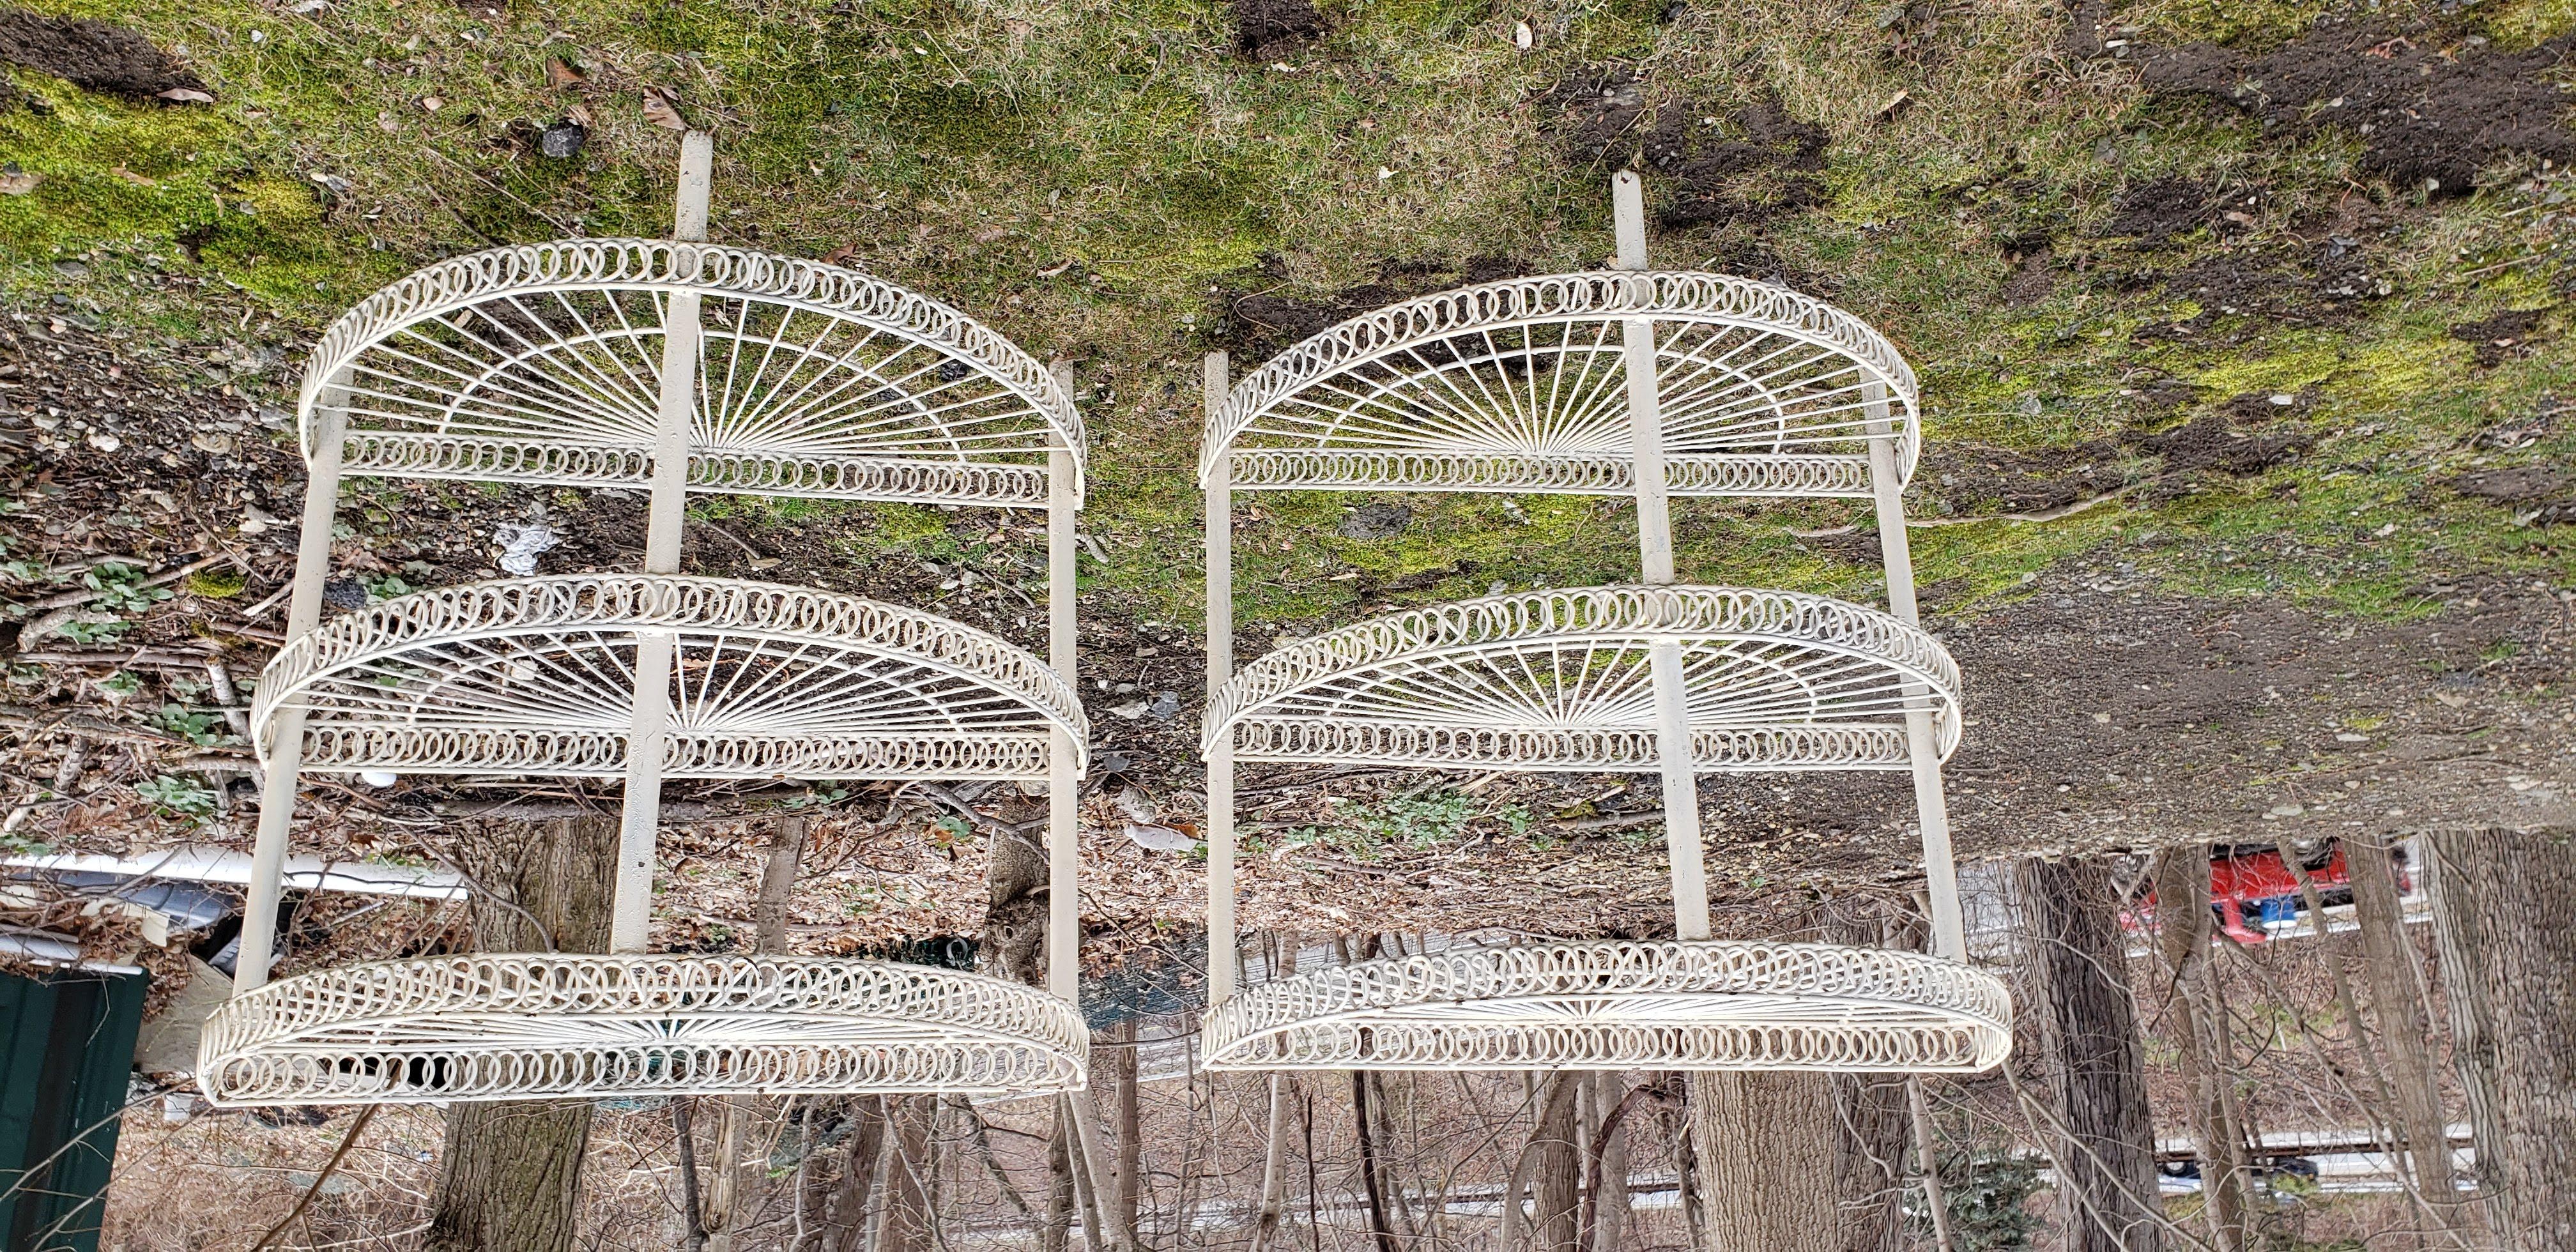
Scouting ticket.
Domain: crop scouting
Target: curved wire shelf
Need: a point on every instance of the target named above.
(1521, 385)
(1697, 1005)
(541, 363)
(536, 675)
(533, 1027)
(1561, 680)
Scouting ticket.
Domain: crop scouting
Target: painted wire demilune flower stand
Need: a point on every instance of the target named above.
(1622, 382)
(677, 366)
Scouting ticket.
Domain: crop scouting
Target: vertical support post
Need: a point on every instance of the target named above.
(1922, 745)
(1214, 382)
(1064, 779)
(1655, 559)
(286, 722)
(631, 921)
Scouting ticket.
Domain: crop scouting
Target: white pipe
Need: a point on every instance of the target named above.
(188, 863)
(631, 921)
(1220, 667)
(286, 723)
(1655, 558)
(1923, 750)
(1064, 781)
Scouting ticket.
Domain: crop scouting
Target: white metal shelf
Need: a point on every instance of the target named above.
(532, 1027)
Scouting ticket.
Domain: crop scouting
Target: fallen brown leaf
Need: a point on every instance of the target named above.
(659, 111)
(560, 73)
(186, 95)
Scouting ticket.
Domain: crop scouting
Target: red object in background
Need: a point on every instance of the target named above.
(2257, 877)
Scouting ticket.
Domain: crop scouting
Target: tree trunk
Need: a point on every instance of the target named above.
(1126, 1187)
(730, 1193)
(1610, 1145)
(909, 1203)
(845, 1216)
(1556, 1165)
(2094, 1057)
(2183, 938)
(2405, 1029)
(1274, 1152)
(510, 1178)
(1801, 1162)
(1057, 1234)
(1370, 1179)
(1870, 1173)
(2502, 909)
(1766, 1146)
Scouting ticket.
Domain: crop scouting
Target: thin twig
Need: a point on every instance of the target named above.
(347, 1141)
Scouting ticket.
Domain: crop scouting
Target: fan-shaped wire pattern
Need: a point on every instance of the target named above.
(536, 675)
(1696, 1005)
(1560, 680)
(1521, 385)
(541, 363)
(535, 1027)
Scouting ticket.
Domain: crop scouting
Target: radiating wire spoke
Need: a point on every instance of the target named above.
(1528, 376)
(543, 362)
(1564, 680)
(764, 677)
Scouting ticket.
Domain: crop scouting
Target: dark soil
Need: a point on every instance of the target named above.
(2161, 208)
(91, 55)
(2213, 441)
(2542, 496)
(2427, 115)
(1254, 321)
(1264, 29)
(2503, 336)
(1974, 480)
(2327, 282)
(1751, 169)
(2033, 280)
(2241, 438)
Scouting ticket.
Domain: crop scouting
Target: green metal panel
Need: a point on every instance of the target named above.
(65, 1055)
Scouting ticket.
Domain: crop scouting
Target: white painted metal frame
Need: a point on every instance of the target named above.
(1628, 382)
(1567, 680)
(682, 366)
(1625, 1005)
(535, 676)
(534, 1027)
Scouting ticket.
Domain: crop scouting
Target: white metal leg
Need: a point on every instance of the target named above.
(1940, 866)
(1064, 781)
(1220, 667)
(1655, 559)
(286, 755)
(631, 921)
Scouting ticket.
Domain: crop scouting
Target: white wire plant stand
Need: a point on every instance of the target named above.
(1625, 1005)
(677, 366)
(532, 1027)
(535, 676)
(1626, 382)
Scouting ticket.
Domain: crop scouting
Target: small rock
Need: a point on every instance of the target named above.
(1131, 710)
(2283, 399)
(2287, 810)
(563, 140)
(2102, 718)
(104, 441)
(344, 593)
(1165, 707)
